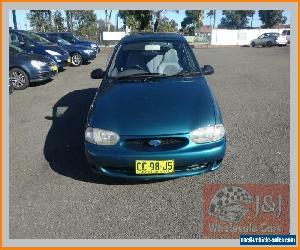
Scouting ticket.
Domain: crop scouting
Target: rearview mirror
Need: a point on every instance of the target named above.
(97, 74)
(207, 70)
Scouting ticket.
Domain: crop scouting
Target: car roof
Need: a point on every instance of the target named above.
(20, 31)
(58, 32)
(135, 37)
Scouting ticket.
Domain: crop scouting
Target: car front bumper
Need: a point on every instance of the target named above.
(88, 56)
(42, 74)
(62, 61)
(192, 159)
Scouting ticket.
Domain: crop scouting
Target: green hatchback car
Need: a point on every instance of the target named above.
(154, 115)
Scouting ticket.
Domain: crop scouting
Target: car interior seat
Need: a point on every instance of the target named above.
(154, 63)
(169, 65)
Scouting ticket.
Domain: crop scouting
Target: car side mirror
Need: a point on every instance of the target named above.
(207, 70)
(97, 74)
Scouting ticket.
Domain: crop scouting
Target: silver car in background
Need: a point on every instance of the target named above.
(269, 39)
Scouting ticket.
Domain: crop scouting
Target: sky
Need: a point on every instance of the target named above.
(24, 24)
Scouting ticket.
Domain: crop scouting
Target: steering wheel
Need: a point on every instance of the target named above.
(133, 67)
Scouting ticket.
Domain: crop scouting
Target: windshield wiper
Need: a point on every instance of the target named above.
(145, 76)
(187, 73)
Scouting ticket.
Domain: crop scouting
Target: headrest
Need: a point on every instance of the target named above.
(171, 56)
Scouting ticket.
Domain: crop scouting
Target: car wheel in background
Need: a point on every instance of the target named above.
(18, 78)
(269, 44)
(253, 44)
(76, 59)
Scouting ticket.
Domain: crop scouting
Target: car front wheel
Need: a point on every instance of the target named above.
(253, 44)
(76, 59)
(269, 44)
(18, 78)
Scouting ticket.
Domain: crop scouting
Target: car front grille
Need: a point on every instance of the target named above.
(167, 143)
(191, 168)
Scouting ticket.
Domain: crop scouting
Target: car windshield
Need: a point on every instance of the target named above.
(15, 49)
(36, 38)
(161, 58)
(63, 41)
(68, 37)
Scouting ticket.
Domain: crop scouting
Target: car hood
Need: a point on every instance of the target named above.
(164, 107)
(84, 43)
(32, 56)
(56, 49)
(75, 47)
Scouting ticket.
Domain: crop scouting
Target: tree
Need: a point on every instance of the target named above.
(85, 24)
(252, 14)
(14, 19)
(107, 19)
(136, 20)
(40, 20)
(58, 21)
(192, 21)
(210, 14)
(157, 15)
(271, 18)
(235, 19)
(70, 14)
(167, 25)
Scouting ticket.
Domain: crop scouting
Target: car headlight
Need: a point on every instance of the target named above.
(53, 53)
(88, 51)
(38, 64)
(208, 134)
(93, 45)
(101, 136)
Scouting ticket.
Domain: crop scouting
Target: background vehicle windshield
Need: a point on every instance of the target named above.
(36, 38)
(152, 57)
(63, 41)
(68, 37)
(15, 49)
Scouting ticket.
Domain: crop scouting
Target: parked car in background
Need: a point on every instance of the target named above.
(33, 43)
(25, 68)
(286, 34)
(79, 54)
(154, 115)
(71, 38)
(269, 40)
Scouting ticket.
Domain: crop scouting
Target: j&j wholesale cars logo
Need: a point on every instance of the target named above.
(232, 210)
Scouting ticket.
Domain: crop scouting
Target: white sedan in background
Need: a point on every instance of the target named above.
(269, 40)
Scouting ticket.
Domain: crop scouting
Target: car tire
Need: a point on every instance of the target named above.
(76, 59)
(253, 44)
(269, 44)
(19, 78)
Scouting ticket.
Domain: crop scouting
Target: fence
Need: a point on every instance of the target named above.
(237, 37)
(200, 39)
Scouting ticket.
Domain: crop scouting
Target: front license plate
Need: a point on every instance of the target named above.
(54, 68)
(69, 60)
(154, 167)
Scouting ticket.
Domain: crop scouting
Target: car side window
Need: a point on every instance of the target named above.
(13, 39)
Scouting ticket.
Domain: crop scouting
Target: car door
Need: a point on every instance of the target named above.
(266, 39)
